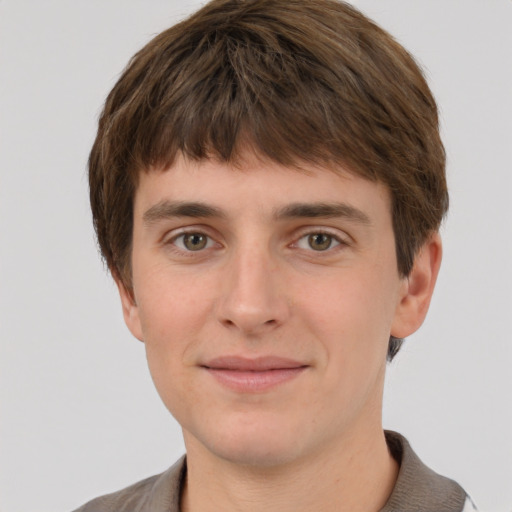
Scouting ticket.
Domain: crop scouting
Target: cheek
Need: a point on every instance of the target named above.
(351, 313)
(168, 297)
(172, 320)
(173, 311)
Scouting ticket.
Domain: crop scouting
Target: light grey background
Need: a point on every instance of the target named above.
(79, 415)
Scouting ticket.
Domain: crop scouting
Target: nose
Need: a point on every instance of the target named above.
(253, 299)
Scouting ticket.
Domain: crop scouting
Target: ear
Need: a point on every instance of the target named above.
(417, 289)
(130, 309)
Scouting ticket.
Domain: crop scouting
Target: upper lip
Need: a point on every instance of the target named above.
(257, 364)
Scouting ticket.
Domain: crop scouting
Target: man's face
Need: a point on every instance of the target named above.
(265, 297)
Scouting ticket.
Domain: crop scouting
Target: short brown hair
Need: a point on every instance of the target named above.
(298, 81)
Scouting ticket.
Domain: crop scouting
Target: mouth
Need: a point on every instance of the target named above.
(253, 375)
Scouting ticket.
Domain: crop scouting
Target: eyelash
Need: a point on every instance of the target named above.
(334, 238)
(183, 250)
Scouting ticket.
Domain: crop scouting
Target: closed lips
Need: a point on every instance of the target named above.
(257, 375)
(260, 364)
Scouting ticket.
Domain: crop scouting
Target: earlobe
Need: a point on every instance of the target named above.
(417, 289)
(130, 309)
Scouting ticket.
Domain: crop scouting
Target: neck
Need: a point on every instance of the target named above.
(358, 474)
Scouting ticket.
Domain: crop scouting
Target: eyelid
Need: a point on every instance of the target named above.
(341, 239)
(184, 230)
(170, 237)
(338, 235)
(182, 247)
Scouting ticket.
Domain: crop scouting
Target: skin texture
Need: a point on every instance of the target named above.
(271, 279)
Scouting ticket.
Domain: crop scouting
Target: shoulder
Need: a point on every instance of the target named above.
(159, 493)
(418, 488)
(469, 506)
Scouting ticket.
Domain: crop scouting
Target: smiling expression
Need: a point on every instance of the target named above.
(265, 297)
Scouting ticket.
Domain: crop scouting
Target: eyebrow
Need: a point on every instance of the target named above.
(322, 210)
(169, 209)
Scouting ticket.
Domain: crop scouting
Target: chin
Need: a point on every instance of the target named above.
(256, 445)
(257, 453)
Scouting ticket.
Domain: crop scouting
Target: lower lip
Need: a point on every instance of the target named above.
(254, 381)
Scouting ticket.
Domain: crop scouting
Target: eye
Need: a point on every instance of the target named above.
(318, 242)
(192, 241)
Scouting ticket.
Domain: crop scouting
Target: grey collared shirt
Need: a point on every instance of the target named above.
(417, 489)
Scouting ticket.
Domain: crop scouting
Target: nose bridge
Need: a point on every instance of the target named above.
(252, 297)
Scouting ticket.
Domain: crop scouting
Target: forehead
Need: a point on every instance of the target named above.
(258, 184)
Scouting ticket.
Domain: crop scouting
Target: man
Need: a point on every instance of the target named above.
(267, 185)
